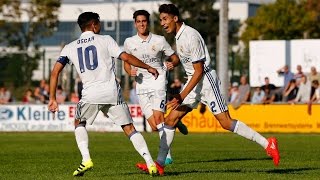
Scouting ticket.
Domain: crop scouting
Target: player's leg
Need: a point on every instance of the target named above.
(120, 115)
(212, 97)
(153, 107)
(85, 113)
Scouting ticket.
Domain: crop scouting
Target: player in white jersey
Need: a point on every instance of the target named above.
(93, 56)
(203, 86)
(151, 49)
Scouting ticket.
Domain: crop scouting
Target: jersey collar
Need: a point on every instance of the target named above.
(183, 26)
(145, 40)
(86, 33)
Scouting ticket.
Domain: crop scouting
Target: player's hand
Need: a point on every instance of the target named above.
(175, 102)
(133, 72)
(169, 65)
(53, 106)
(154, 72)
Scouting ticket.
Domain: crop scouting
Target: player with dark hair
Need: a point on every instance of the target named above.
(94, 56)
(202, 86)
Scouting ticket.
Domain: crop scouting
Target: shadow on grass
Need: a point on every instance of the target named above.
(225, 160)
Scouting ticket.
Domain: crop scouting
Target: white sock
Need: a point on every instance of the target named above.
(165, 143)
(141, 146)
(83, 142)
(245, 131)
(160, 130)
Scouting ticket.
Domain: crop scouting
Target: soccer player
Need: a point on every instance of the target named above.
(151, 49)
(203, 86)
(93, 56)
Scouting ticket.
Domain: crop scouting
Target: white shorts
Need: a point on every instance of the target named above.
(119, 114)
(207, 92)
(155, 100)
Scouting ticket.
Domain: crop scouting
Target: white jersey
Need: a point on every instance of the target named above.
(93, 57)
(151, 51)
(191, 48)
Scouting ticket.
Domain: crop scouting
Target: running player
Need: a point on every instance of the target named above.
(93, 56)
(203, 86)
(151, 49)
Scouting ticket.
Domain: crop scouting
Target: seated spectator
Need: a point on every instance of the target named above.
(61, 96)
(290, 93)
(244, 90)
(269, 96)
(74, 97)
(28, 97)
(175, 88)
(234, 93)
(5, 95)
(38, 97)
(314, 86)
(315, 98)
(304, 92)
(257, 96)
(314, 75)
(268, 85)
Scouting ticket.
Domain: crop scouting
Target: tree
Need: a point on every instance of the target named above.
(42, 19)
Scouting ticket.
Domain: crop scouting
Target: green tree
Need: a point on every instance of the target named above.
(41, 20)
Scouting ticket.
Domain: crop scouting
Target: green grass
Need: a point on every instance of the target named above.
(196, 156)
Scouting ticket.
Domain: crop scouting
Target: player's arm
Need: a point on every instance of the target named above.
(53, 106)
(132, 60)
(174, 61)
(198, 73)
(127, 67)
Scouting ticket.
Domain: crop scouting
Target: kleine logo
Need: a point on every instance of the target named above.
(5, 114)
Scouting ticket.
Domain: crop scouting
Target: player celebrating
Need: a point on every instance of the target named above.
(150, 49)
(203, 86)
(93, 57)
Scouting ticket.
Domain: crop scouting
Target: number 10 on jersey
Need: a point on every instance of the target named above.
(90, 58)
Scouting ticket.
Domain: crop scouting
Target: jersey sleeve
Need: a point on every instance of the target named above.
(197, 49)
(126, 46)
(113, 47)
(168, 51)
(64, 56)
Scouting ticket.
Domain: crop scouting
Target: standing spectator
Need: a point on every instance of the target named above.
(61, 96)
(28, 97)
(290, 93)
(244, 90)
(5, 95)
(314, 75)
(258, 96)
(304, 91)
(133, 99)
(298, 75)
(288, 75)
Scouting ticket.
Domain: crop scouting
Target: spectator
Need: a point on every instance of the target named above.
(314, 75)
(175, 88)
(304, 91)
(291, 91)
(288, 75)
(268, 85)
(257, 96)
(133, 94)
(38, 97)
(5, 95)
(269, 96)
(234, 93)
(74, 97)
(244, 90)
(61, 96)
(44, 90)
(314, 86)
(28, 97)
(315, 98)
(298, 75)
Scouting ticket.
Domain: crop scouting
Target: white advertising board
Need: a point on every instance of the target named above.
(38, 118)
(266, 57)
(305, 53)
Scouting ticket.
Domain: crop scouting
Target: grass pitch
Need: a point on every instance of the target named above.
(196, 156)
